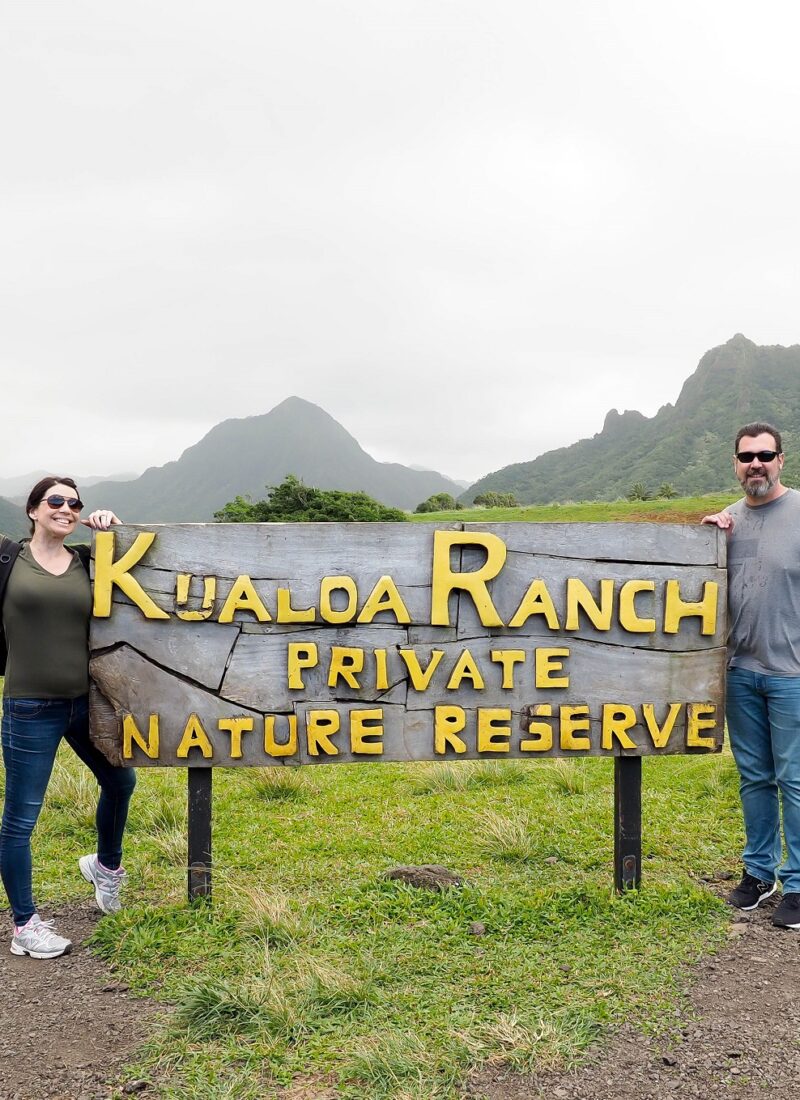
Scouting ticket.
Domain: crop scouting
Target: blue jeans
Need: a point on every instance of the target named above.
(764, 728)
(31, 732)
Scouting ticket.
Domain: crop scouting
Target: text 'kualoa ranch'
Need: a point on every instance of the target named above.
(340, 601)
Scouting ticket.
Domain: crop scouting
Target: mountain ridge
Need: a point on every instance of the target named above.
(688, 445)
(243, 456)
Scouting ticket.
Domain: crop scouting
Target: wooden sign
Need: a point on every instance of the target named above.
(287, 644)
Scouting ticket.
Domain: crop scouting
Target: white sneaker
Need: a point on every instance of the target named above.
(106, 883)
(37, 939)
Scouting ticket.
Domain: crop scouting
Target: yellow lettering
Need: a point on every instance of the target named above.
(542, 741)
(445, 580)
(273, 747)
(285, 613)
(508, 658)
(131, 735)
(618, 718)
(536, 601)
(700, 716)
(381, 669)
(573, 720)
(345, 663)
(182, 582)
(448, 722)
(579, 598)
(420, 680)
(328, 586)
(299, 655)
(660, 734)
(466, 668)
(676, 609)
(364, 726)
(384, 597)
(243, 597)
(321, 726)
(194, 737)
(236, 727)
(628, 618)
(108, 573)
(493, 737)
(546, 663)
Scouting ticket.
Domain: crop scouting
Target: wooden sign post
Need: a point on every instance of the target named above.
(277, 645)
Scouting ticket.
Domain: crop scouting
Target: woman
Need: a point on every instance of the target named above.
(45, 618)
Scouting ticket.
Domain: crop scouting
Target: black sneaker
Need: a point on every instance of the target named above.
(750, 892)
(787, 915)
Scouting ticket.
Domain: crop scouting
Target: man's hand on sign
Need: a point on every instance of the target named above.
(720, 519)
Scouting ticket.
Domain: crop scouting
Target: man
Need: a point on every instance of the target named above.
(763, 689)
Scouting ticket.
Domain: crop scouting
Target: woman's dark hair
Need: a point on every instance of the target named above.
(40, 491)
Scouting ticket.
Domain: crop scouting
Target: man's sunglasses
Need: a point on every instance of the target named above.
(55, 500)
(762, 456)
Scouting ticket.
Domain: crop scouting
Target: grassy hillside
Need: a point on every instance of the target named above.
(679, 510)
(689, 445)
(13, 522)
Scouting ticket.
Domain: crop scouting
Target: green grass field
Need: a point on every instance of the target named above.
(310, 964)
(680, 510)
(310, 968)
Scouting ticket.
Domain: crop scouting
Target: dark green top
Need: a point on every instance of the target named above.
(46, 623)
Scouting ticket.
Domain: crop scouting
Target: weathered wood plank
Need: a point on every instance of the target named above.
(258, 677)
(161, 585)
(223, 693)
(136, 686)
(199, 651)
(632, 674)
(508, 589)
(373, 726)
(312, 549)
(668, 543)
(257, 673)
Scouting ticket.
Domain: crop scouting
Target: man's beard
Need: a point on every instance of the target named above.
(759, 488)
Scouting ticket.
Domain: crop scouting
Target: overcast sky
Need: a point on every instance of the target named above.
(464, 228)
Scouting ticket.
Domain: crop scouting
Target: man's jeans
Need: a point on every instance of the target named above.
(763, 715)
(31, 732)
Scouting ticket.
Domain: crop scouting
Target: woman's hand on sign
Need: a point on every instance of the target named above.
(720, 519)
(101, 519)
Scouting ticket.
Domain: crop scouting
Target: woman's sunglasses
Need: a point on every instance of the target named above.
(55, 500)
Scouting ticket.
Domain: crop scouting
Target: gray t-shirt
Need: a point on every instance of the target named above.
(764, 586)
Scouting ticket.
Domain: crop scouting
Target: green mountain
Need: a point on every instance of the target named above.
(688, 444)
(16, 489)
(243, 457)
(12, 520)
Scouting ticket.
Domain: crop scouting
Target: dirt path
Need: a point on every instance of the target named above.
(66, 1025)
(740, 1036)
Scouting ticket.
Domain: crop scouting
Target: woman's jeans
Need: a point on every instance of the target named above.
(763, 715)
(31, 732)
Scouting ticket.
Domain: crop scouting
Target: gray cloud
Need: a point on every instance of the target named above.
(466, 231)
